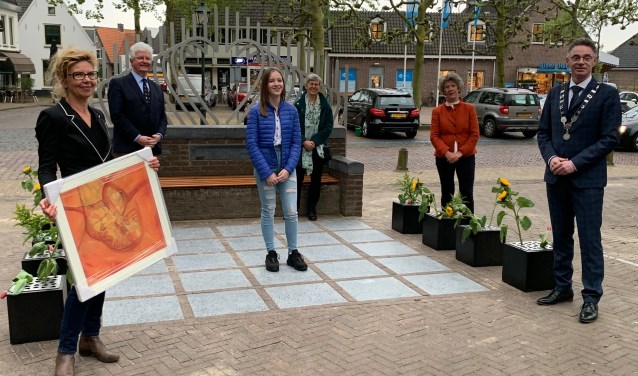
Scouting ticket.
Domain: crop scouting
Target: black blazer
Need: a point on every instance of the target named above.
(64, 141)
(593, 135)
(132, 116)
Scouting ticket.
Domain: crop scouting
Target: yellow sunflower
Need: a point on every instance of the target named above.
(26, 170)
(502, 196)
(449, 211)
(37, 187)
(504, 182)
(415, 182)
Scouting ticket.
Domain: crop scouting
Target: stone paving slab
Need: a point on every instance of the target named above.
(500, 331)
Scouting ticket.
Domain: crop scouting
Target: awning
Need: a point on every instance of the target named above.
(21, 63)
(552, 70)
(608, 59)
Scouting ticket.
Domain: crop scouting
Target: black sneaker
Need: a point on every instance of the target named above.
(295, 259)
(272, 261)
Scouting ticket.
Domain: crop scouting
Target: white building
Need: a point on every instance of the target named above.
(41, 25)
(12, 63)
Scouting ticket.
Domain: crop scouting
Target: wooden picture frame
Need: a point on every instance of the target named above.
(112, 221)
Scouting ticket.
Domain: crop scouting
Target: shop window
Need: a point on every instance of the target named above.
(476, 33)
(476, 81)
(377, 28)
(537, 33)
(444, 73)
(52, 34)
(352, 80)
(376, 77)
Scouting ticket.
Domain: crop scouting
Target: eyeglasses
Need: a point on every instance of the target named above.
(92, 75)
(577, 58)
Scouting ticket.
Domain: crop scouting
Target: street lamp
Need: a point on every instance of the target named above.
(202, 17)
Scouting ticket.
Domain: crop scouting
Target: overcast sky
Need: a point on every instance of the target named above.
(611, 37)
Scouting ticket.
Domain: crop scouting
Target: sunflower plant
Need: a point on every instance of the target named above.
(38, 229)
(545, 237)
(510, 200)
(411, 190)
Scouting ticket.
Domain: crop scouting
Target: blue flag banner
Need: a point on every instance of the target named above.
(477, 14)
(447, 10)
(411, 11)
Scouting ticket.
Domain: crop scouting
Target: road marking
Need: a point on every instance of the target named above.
(623, 261)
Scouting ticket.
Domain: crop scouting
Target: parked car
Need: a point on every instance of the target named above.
(183, 90)
(629, 129)
(629, 98)
(382, 110)
(240, 92)
(506, 110)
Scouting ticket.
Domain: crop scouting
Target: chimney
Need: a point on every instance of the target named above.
(120, 27)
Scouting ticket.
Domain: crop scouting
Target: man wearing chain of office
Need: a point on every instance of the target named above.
(578, 128)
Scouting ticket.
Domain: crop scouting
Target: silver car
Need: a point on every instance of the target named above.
(506, 110)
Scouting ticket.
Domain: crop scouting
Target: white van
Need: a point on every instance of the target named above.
(182, 89)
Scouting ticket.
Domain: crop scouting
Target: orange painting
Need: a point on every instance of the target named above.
(114, 221)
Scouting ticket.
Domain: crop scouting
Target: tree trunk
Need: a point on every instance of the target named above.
(317, 36)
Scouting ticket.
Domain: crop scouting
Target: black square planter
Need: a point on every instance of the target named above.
(528, 268)
(405, 218)
(36, 313)
(31, 264)
(439, 234)
(483, 249)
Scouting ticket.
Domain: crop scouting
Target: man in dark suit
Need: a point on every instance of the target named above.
(137, 106)
(578, 128)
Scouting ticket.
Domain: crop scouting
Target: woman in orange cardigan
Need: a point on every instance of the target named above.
(454, 132)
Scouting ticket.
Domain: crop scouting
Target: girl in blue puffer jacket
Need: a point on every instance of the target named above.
(273, 140)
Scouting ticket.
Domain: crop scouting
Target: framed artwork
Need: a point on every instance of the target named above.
(112, 221)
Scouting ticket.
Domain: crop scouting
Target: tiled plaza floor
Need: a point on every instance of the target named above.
(220, 271)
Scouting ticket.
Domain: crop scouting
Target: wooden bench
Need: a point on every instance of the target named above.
(225, 181)
(233, 196)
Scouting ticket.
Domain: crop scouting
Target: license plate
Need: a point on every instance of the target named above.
(526, 115)
(398, 116)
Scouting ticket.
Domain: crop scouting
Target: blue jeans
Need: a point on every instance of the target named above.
(268, 198)
(79, 317)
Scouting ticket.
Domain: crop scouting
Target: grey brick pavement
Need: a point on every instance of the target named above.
(498, 332)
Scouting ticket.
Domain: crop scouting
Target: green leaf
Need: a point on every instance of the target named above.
(503, 233)
(466, 233)
(499, 217)
(526, 223)
(524, 203)
(38, 249)
(24, 275)
(18, 287)
(69, 276)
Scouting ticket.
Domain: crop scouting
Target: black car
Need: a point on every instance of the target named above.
(629, 129)
(383, 110)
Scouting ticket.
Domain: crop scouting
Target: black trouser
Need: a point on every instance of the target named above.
(464, 168)
(315, 183)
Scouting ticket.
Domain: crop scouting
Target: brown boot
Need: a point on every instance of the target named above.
(94, 346)
(64, 364)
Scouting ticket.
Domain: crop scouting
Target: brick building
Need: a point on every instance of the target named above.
(625, 76)
(539, 66)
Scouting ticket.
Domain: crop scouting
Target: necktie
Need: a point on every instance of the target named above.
(147, 93)
(575, 94)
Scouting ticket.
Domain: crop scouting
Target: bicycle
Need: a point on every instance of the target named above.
(224, 95)
(430, 101)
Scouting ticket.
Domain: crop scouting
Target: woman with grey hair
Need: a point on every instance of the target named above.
(316, 122)
(454, 133)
